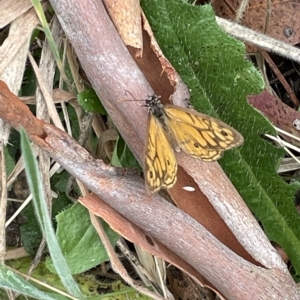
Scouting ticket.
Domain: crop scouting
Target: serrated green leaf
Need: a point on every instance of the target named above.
(213, 66)
(79, 241)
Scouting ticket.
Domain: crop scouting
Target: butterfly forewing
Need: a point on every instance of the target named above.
(160, 163)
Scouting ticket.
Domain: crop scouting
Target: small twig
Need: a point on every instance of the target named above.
(288, 134)
(3, 204)
(115, 262)
(241, 10)
(260, 40)
(285, 145)
(281, 78)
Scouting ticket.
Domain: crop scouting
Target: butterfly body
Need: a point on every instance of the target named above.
(161, 165)
(197, 134)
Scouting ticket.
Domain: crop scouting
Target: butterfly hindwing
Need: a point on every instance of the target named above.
(160, 161)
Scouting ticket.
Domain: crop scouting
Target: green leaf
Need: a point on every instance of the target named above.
(29, 83)
(39, 201)
(49, 38)
(93, 286)
(122, 156)
(60, 181)
(30, 231)
(9, 161)
(89, 100)
(73, 118)
(213, 66)
(14, 282)
(79, 241)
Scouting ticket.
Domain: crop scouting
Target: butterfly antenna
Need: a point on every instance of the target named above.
(134, 99)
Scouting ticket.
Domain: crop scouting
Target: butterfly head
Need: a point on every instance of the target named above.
(154, 105)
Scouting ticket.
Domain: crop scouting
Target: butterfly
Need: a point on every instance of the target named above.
(173, 127)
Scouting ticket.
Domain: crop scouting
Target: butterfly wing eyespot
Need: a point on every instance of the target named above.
(160, 161)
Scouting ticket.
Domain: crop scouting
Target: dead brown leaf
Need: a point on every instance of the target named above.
(280, 20)
(280, 114)
(126, 16)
